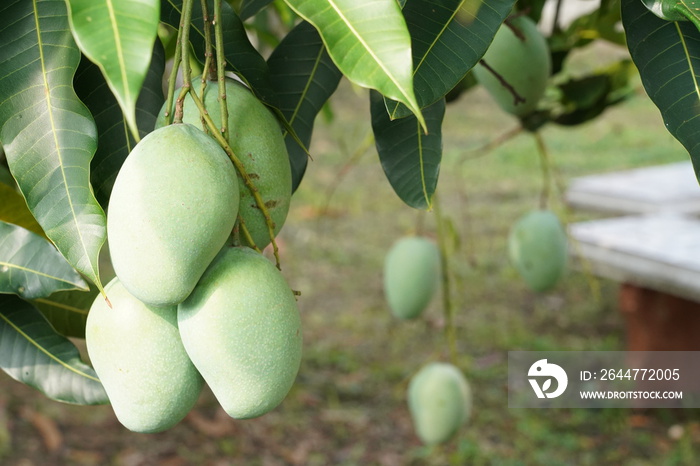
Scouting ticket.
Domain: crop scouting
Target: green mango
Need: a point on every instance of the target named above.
(242, 330)
(538, 248)
(137, 352)
(256, 138)
(439, 400)
(522, 60)
(173, 207)
(411, 276)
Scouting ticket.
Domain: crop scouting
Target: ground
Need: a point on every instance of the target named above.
(348, 406)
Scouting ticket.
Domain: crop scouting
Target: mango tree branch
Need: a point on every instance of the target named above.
(221, 67)
(517, 98)
(241, 170)
(172, 79)
(208, 54)
(184, 36)
(243, 230)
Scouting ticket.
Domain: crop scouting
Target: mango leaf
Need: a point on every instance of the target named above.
(250, 7)
(116, 141)
(67, 310)
(369, 41)
(118, 36)
(13, 209)
(601, 23)
(675, 10)
(304, 77)
(410, 158)
(31, 267)
(667, 55)
(449, 38)
(532, 8)
(689, 9)
(48, 135)
(6, 176)
(33, 353)
(584, 98)
(240, 54)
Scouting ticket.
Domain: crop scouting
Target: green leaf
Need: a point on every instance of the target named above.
(532, 8)
(585, 98)
(250, 7)
(667, 55)
(304, 77)
(410, 158)
(675, 10)
(67, 310)
(449, 38)
(690, 10)
(13, 209)
(115, 139)
(6, 177)
(369, 41)
(240, 54)
(118, 36)
(601, 23)
(33, 353)
(31, 267)
(48, 135)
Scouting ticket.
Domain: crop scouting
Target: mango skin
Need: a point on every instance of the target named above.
(137, 352)
(256, 139)
(537, 246)
(242, 330)
(524, 64)
(439, 400)
(173, 206)
(411, 276)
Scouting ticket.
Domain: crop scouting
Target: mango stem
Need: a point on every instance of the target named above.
(242, 171)
(448, 306)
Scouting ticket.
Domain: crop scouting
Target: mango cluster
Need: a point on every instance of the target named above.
(186, 307)
(439, 396)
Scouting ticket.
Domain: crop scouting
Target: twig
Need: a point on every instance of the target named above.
(242, 171)
(221, 69)
(591, 279)
(209, 123)
(447, 304)
(184, 41)
(544, 163)
(345, 169)
(485, 149)
(208, 62)
(517, 98)
(172, 80)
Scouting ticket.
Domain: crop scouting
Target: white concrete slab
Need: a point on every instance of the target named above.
(659, 251)
(672, 187)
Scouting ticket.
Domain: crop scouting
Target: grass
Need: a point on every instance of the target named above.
(348, 405)
(483, 194)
